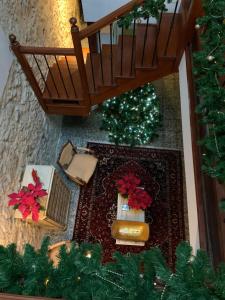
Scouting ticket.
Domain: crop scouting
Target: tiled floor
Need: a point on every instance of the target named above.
(82, 130)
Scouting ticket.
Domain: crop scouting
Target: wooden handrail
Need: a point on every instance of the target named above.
(110, 18)
(47, 50)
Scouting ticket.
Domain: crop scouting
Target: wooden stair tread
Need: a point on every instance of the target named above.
(105, 78)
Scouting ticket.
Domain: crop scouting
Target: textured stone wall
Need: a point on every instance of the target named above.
(27, 135)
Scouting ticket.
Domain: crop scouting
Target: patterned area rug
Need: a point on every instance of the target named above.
(161, 175)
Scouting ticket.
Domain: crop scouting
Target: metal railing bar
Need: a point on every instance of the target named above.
(145, 38)
(171, 27)
(52, 77)
(111, 52)
(133, 45)
(60, 74)
(42, 76)
(71, 78)
(121, 57)
(100, 50)
(157, 38)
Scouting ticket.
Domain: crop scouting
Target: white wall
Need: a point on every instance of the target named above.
(95, 9)
(188, 157)
(5, 60)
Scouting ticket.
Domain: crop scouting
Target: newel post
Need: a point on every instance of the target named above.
(80, 60)
(15, 46)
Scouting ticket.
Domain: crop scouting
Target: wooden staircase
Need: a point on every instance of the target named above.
(69, 81)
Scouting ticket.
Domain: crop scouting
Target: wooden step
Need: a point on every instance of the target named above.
(102, 75)
(165, 68)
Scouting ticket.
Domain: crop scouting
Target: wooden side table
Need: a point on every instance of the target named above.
(129, 215)
(56, 204)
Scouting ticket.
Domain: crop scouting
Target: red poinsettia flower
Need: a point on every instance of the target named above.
(29, 205)
(27, 199)
(139, 199)
(127, 184)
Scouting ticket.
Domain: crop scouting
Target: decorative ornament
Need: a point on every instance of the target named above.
(46, 281)
(197, 26)
(210, 57)
(88, 254)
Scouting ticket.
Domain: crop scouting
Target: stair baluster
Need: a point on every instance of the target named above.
(121, 52)
(171, 28)
(71, 78)
(145, 39)
(111, 56)
(52, 77)
(133, 46)
(100, 51)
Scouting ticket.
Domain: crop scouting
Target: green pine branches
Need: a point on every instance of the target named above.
(209, 72)
(80, 275)
(133, 117)
(150, 8)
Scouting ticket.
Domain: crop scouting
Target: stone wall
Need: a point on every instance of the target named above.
(27, 135)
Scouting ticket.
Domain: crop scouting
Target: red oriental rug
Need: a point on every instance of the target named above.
(160, 172)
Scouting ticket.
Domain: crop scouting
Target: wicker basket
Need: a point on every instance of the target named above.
(56, 203)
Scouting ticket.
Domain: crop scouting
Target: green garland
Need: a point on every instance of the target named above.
(133, 117)
(209, 67)
(150, 8)
(80, 275)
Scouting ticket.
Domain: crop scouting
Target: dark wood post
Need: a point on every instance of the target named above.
(15, 46)
(80, 61)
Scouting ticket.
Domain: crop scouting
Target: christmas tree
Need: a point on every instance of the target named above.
(132, 118)
(80, 275)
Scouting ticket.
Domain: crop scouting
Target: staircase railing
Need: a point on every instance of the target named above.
(67, 77)
(52, 85)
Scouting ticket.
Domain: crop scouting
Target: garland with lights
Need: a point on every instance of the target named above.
(209, 70)
(132, 118)
(80, 275)
(148, 9)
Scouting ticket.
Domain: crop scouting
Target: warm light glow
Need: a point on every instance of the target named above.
(64, 14)
(88, 254)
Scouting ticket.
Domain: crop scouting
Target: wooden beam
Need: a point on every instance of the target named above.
(188, 31)
(196, 151)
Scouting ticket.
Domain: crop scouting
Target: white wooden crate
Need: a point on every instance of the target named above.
(56, 203)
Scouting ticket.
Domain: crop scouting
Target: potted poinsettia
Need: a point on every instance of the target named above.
(27, 200)
(128, 187)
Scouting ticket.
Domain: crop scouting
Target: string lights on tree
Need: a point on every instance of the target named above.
(133, 117)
